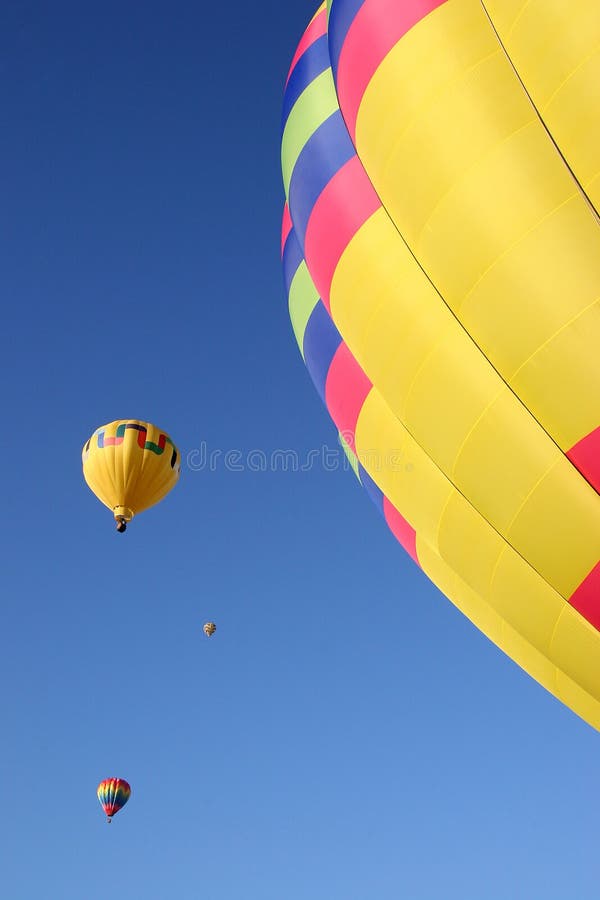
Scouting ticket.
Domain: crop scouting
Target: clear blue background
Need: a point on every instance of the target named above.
(346, 734)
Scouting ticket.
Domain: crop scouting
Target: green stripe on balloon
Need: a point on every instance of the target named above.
(350, 455)
(303, 298)
(312, 108)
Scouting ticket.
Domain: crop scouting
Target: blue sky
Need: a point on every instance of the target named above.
(347, 734)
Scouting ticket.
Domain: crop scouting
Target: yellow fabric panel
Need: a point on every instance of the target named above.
(521, 646)
(409, 92)
(557, 529)
(503, 458)
(571, 355)
(430, 157)
(516, 645)
(460, 531)
(480, 573)
(402, 304)
(430, 372)
(416, 487)
(468, 601)
(448, 395)
(551, 265)
(442, 516)
(535, 608)
(493, 226)
(483, 199)
(457, 409)
(575, 648)
(555, 48)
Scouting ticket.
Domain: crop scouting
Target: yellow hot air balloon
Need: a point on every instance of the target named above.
(209, 629)
(130, 466)
(441, 251)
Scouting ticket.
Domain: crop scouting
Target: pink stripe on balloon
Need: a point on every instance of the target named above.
(402, 531)
(346, 389)
(586, 599)
(316, 29)
(286, 226)
(585, 455)
(376, 29)
(342, 207)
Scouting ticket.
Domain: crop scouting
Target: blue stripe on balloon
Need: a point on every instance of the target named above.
(341, 16)
(323, 155)
(313, 62)
(292, 257)
(321, 341)
(375, 493)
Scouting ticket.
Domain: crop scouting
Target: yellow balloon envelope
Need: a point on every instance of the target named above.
(441, 251)
(130, 466)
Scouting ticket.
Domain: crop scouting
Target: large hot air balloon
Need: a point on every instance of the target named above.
(441, 252)
(113, 794)
(130, 466)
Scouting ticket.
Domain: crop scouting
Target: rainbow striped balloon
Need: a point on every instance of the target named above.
(113, 794)
(441, 254)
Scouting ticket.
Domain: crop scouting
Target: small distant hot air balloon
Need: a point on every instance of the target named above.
(209, 628)
(113, 794)
(130, 466)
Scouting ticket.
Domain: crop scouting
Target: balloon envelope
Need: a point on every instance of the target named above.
(113, 794)
(130, 465)
(441, 254)
(209, 628)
